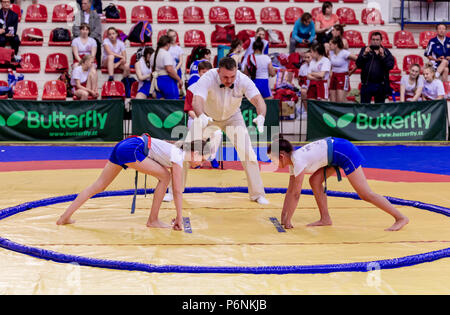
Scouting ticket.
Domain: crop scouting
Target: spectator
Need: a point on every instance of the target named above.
(340, 60)
(176, 51)
(95, 6)
(304, 32)
(264, 68)
(337, 31)
(165, 80)
(325, 22)
(303, 81)
(8, 27)
(144, 73)
(84, 79)
(318, 73)
(260, 33)
(83, 45)
(235, 51)
(202, 54)
(438, 52)
(114, 54)
(375, 62)
(411, 85)
(91, 18)
(433, 89)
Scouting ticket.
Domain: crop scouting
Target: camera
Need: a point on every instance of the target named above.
(374, 47)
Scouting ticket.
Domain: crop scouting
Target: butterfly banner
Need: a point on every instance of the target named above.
(408, 121)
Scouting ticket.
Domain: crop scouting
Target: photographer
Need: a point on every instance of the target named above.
(375, 62)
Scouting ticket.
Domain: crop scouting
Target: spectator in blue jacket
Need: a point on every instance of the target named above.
(304, 32)
(438, 52)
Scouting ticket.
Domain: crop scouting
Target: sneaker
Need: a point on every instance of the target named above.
(168, 197)
(262, 200)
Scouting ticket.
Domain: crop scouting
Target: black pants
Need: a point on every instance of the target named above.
(14, 41)
(377, 91)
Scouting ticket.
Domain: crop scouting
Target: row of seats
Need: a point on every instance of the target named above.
(56, 90)
(194, 14)
(194, 37)
(59, 63)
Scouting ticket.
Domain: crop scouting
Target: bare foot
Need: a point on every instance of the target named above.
(398, 224)
(321, 223)
(64, 221)
(157, 224)
(288, 225)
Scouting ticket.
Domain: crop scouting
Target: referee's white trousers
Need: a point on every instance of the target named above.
(236, 131)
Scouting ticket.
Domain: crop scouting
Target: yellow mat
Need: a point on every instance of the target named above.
(227, 230)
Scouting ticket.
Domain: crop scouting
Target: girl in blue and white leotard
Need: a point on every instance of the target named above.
(315, 158)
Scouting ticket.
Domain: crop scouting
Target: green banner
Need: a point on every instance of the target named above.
(159, 117)
(408, 121)
(61, 120)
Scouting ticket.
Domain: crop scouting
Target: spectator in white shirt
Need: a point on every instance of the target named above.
(176, 51)
(144, 74)
(114, 55)
(319, 73)
(84, 79)
(433, 89)
(83, 45)
(340, 60)
(263, 71)
(411, 85)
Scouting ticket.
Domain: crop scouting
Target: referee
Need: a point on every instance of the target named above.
(217, 100)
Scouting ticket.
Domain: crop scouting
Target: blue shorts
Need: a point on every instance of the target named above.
(263, 87)
(346, 156)
(168, 88)
(145, 88)
(128, 151)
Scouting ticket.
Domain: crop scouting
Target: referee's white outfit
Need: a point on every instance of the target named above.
(221, 110)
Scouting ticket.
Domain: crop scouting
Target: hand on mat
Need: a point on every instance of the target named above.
(205, 120)
(177, 224)
(259, 121)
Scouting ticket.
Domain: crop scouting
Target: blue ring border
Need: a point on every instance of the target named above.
(150, 268)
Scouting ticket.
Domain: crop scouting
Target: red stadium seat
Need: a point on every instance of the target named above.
(167, 14)
(354, 39)
(36, 13)
(193, 38)
(219, 15)
(244, 15)
(122, 18)
(63, 13)
(134, 89)
(270, 15)
(404, 39)
(447, 88)
(385, 41)
(133, 63)
(164, 32)
(25, 90)
(5, 96)
(141, 13)
(113, 89)
(292, 14)
(425, 37)
(28, 34)
(53, 43)
(54, 90)
(194, 15)
(347, 16)
(315, 12)
(30, 63)
(409, 60)
(56, 63)
(17, 10)
(371, 16)
(277, 42)
(396, 69)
